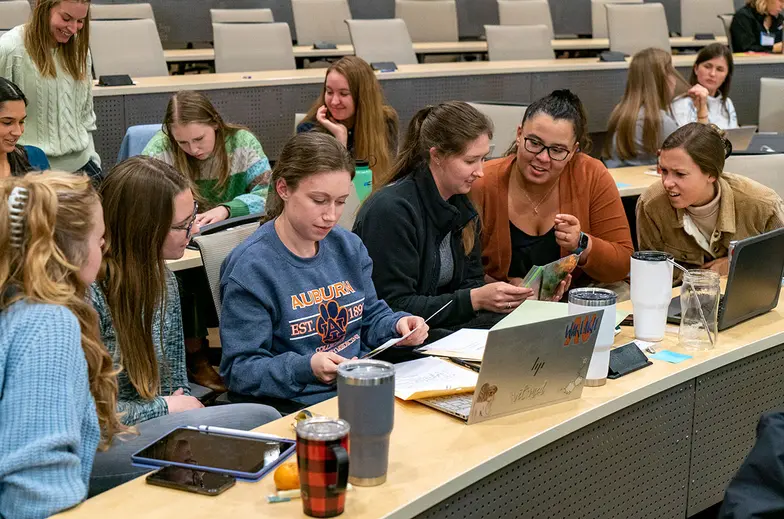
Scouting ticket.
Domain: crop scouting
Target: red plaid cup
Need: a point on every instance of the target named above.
(322, 456)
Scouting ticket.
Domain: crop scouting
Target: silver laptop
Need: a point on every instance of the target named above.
(526, 367)
(741, 137)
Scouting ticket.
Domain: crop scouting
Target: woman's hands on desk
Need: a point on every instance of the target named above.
(499, 297)
(335, 128)
(411, 322)
(720, 266)
(178, 402)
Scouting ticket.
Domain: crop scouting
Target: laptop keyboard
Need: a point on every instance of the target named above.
(459, 404)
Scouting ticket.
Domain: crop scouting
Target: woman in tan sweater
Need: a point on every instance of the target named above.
(546, 199)
(697, 209)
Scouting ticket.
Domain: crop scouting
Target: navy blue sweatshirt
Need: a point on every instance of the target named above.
(278, 309)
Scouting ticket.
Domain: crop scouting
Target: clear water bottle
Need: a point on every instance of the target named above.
(363, 179)
(700, 296)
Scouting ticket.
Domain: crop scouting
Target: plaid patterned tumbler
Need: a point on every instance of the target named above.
(322, 457)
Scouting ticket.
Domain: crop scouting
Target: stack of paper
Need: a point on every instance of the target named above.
(423, 378)
(466, 344)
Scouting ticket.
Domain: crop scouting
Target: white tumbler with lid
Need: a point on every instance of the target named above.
(651, 292)
(586, 299)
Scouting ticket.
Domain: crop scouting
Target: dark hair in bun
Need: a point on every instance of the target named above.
(706, 144)
(561, 105)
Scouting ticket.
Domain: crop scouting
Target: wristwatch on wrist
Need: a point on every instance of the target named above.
(582, 244)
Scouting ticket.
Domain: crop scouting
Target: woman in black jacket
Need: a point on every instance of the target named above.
(757, 26)
(422, 231)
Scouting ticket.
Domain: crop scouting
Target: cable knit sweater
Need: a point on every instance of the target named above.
(48, 424)
(60, 116)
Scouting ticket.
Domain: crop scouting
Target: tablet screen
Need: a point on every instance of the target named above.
(213, 450)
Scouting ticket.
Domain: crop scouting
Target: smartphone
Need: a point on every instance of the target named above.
(189, 480)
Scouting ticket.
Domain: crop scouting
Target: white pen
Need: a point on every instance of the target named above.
(236, 432)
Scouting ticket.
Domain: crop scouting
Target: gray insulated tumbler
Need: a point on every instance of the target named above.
(366, 400)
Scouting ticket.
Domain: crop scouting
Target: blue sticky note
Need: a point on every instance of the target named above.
(621, 184)
(669, 356)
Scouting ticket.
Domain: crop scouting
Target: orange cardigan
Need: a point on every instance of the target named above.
(587, 191)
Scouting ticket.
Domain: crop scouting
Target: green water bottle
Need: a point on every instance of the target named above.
(363, 180)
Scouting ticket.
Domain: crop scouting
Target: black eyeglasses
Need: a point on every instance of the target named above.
(555, 152)
(187, 227)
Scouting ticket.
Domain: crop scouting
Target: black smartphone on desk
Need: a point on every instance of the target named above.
(189, 480)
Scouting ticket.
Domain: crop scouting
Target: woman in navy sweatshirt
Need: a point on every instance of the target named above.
(297, 296)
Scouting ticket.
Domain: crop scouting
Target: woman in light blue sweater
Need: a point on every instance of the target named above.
(57, 383)
(49, 59)
(298, 298)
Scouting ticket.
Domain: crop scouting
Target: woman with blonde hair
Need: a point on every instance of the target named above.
(230, 175)
(58, 382)
(49, 59)
(423, 232)
(139, 313)
(757, 27)
(641, 121)
(298, 298)
(352, 108)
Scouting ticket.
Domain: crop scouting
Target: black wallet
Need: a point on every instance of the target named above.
(610, 55)
(115, 80)
(625, 359)
(384, 66)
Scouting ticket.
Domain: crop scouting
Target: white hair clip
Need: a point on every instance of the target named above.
(17, 201)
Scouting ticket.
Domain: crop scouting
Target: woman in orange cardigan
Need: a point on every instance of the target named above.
(546, 199)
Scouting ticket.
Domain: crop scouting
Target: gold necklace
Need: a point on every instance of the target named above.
(545, 197)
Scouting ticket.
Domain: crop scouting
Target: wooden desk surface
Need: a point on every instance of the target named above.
(433, 455)
(149, 85)
(634, 180)
(457, 47)
(191, 259)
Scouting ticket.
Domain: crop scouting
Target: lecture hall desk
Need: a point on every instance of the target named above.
(267, 101)
(429, 48)
(660, 442)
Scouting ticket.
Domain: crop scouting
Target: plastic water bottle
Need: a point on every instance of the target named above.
(363, 180)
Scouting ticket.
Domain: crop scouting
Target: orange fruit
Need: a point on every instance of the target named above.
(287, 476)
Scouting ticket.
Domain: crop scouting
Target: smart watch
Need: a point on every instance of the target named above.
(582, 244)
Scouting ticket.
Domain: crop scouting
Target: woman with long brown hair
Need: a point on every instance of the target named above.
(351, 107)
(642, 120)
(423, 232)
(298, 299)
(49, 59)
(139, 309)
(712, 70)
(230, 174)
(224, 161)
(58, 382)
